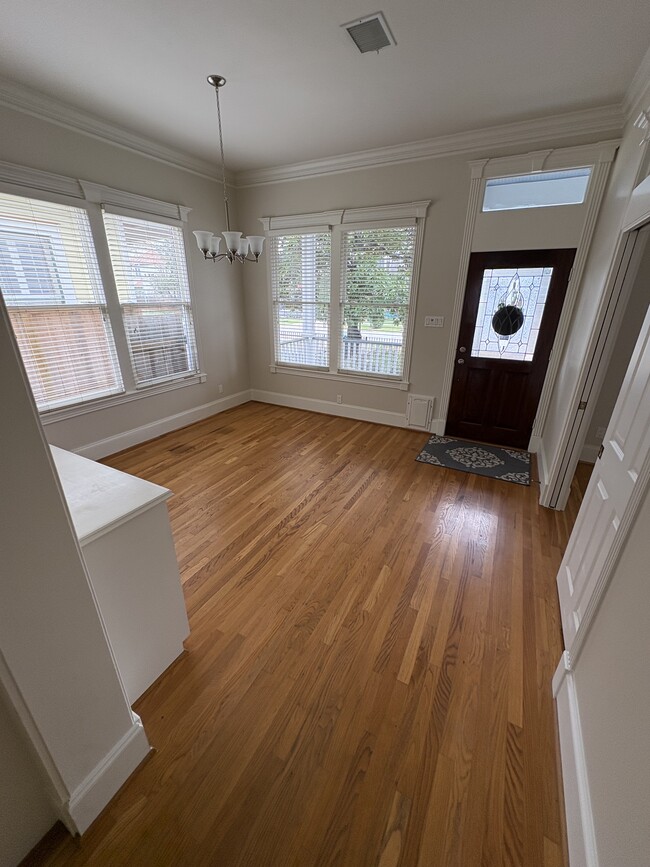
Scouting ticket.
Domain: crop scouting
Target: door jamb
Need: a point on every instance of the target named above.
(555, 493)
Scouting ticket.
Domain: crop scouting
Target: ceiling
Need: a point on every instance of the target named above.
(298, 89)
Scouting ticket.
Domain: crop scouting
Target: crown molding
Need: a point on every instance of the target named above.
(24, 99)
(596, 121)
(639, 89)
(606, 120)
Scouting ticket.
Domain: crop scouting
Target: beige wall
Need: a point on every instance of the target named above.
(216, 288)
(26, 814)
(446, 182)
(612, 680)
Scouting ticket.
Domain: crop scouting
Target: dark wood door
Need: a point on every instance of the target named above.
(513, 302)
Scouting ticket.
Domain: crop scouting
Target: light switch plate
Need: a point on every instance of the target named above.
(434, 321)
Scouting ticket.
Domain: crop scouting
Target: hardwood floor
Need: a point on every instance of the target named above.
(368, 675)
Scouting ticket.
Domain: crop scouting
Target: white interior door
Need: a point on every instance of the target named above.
(617, 472)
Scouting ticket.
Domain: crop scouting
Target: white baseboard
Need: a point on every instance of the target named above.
(589, 453)
(581, 836)
(90, 798)
(346, 410)
(125, 440)
(438, 426)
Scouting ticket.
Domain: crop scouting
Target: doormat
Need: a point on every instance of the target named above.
(509, 465)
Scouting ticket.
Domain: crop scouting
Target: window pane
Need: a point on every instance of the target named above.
(158, 342)
(301, 280)
(302, 334)
(539, 190)
(53, 291)
(509, 290)
(151, 277)
(66, 353)
(376, 279)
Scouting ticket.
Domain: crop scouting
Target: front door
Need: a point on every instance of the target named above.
(513, 302)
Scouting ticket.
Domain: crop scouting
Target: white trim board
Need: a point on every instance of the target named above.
(581, 835)
(328, 407)
(126, 439)
(90, 798)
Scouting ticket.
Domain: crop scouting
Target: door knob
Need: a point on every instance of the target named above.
(462, 349)
(461, 361)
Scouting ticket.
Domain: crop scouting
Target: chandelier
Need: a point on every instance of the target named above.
(238, 249)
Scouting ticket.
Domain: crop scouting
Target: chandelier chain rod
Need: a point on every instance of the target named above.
(223, 163)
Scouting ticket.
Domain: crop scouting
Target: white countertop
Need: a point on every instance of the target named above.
(99, 497)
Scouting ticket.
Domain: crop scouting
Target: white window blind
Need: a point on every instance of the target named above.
(51, 284)
(376, 286)
(151, 278)
(301, 285)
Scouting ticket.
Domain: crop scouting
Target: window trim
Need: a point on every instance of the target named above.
(382, 216)
(32, 183)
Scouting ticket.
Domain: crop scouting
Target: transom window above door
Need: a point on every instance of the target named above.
(343, 295)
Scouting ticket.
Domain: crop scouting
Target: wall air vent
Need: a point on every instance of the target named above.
(371, 33)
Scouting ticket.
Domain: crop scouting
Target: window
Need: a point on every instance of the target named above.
(343, 296)
(83, 337)
(300, 280)
(539, 190)
(51, 285)
(376, 278)
(151, 278)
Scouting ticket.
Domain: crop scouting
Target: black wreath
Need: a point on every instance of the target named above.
(508, 320)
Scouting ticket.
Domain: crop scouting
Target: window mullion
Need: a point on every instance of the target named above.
(113, 306)
(335, 300)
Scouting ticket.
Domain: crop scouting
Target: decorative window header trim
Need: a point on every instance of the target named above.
(348, 216)
(119, 198)
(546, 160)
(46, 182)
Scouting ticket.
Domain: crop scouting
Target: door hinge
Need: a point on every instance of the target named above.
(600, 452)
(582, 405)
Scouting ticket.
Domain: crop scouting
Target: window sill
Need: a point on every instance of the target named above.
(357, 378)
(54, 415)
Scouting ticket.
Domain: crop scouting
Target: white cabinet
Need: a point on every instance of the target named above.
(123, 528)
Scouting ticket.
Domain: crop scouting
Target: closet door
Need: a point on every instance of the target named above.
(625, 450)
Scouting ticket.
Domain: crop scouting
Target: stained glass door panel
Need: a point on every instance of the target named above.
(526, 286)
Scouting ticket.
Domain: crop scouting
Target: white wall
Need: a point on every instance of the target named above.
(612, 680)
(26, 814)
(217, 292)
(55, 661)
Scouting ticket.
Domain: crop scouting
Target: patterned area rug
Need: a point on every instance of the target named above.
(509, 465)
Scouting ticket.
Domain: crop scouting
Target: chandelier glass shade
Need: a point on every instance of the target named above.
(237, 247)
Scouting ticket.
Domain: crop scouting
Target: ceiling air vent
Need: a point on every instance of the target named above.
(371, 33)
